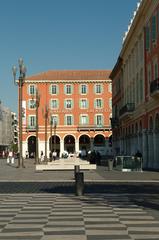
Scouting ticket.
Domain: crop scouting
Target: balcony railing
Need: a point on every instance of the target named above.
(93, 127)
(127, 109)
(154, 87)
(30, 128)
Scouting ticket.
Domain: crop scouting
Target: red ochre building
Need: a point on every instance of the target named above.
(81, 104)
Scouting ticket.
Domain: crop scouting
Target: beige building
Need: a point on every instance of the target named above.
(132, 80)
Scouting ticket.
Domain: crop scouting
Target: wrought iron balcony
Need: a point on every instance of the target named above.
(93, 127)
(127, 109)
(30, 128)
(154, 88)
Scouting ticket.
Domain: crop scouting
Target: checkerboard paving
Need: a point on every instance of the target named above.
(67, 217)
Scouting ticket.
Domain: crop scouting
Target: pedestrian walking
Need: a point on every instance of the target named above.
(42, 156)
(54, 154)
(26, 154)
(50, 156)
(10, 157)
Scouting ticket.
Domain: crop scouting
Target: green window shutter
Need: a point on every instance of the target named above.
(50, 87)
(72, 88)
(28, 104)
(65, 104)
(94, 88)
(102, 120)
(87, 120)
(80, 119)
(95, 103)
(80, 103)
(72, 103)
(72, 120)
(95, 121)
(102, 88)
(153, 28)
(102, 103)
(65, 120)
(28, 89)
(28, 121)
(147, 38)
(87, 103)
(57, 86)
(65, 89)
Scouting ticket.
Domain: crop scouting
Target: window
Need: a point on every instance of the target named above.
(98, 103)
(110, 103)
(99, 119)
(68, 89)
(54, 89)
(141, 85)
(68, 103)
(84, 119)
(54, 119)
(32, 89)
(147, 38)
(149, 75)
(83, 89)
(54, 103)
(110, 87)
(98, 88)
(83, 103)
(32, 104)
(155, 66)
(69, 120)
(32, 121)
(154, 25)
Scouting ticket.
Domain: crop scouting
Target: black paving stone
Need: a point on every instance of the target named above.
(69, 232)
(108, 237)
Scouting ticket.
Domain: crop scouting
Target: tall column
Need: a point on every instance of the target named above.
(25, 147)
(157, 149)
(154, 149)
(91, 143)
(150, 149)
(120, 145)
(61, 147)
(77, 145)
(132, 144)
(145, 148)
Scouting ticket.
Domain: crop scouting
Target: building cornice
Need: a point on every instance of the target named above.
(68, 81)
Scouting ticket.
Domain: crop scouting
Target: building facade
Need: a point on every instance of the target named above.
(135, 87)
(74, 112)
(8, 128)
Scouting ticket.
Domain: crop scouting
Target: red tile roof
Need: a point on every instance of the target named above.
(71, 75)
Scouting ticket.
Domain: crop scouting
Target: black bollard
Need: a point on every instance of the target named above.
(79, 183)
(76, 170)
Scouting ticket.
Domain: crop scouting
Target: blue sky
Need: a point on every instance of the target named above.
(59, 34)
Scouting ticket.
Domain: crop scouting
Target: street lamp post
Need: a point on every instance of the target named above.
(45, 115)
(51, 123)
(37, 126)
(55, 125)
(20, 83)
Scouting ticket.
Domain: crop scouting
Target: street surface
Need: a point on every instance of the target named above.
(43, 205)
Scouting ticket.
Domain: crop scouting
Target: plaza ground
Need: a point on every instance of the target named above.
(101, 174)
(43, 205)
